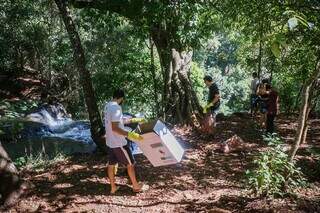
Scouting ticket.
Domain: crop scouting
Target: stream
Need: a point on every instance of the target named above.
(50, 130)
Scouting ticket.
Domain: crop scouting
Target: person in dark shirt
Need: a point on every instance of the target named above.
(213, 102)
(272, 108)
(253, 96)
(261, 102)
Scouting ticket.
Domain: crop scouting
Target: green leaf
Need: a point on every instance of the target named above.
(275, 48)
(281, 39)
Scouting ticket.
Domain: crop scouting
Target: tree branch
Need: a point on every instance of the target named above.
(131, 9)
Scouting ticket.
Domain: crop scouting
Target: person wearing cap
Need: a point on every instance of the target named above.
(119, 151)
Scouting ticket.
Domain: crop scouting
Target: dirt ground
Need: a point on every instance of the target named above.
(205, 181)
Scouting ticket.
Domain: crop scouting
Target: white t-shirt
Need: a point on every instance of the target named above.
(113, 113)
(254, 84)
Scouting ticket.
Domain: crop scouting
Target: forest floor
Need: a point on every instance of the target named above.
(206, 180)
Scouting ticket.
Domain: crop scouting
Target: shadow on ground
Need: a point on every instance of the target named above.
(206, 179)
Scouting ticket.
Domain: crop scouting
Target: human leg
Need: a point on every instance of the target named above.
(132, 176)
(125, 157)
(111, 170)
(111, 176)
(270, 123)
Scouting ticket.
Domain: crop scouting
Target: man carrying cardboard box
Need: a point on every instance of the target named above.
(116, 134)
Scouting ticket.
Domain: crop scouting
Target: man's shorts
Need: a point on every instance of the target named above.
(121, 155)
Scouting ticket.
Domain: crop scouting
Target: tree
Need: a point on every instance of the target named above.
(175, 28)
(97, 129)
(306, 96)
(153, 72)
(11, 184)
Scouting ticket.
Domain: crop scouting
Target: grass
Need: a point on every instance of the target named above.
(39, 162)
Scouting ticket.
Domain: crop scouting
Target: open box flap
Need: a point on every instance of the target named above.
(173, 145)
(146, 127)
(160, 128)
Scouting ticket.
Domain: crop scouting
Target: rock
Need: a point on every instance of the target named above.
(49, 114)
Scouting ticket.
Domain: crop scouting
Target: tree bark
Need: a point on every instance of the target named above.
(154, 78)
(11, 186)
(179, 101)
(297, 99)
(260, 56)
(97, 130)
(260, 59)
(304, 110)
(311, 105)
(306, 126)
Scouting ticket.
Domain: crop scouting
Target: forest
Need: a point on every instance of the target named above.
(229, 89)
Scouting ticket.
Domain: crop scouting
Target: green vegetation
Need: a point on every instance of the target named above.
(274, 174)
(78, 52)
(39, 162)
(17, 109)
(117, 48)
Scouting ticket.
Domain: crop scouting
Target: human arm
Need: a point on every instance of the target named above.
(134, 120)
(138, 120)
(116, 128)
(116, 119)
(129, 134)
(214, 97)
(212, 103)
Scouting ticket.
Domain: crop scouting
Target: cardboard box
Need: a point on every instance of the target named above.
(158, 144)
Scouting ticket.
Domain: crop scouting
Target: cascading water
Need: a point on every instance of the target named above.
(51, 129)
(48, 129)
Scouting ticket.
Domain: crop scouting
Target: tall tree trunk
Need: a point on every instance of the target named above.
(97, 130)
(306, 126)
(260, 59)
(153, 72)
(297, 99)
(179, 100)
(260, 49)
(272, 68)
(305, 108)
(11, 186)
(311, 105)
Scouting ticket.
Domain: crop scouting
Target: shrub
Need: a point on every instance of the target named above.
(274, 175)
